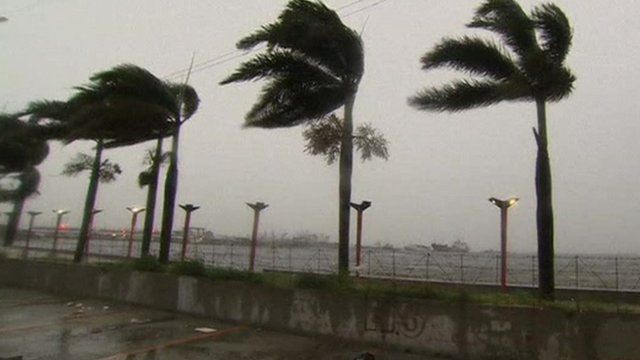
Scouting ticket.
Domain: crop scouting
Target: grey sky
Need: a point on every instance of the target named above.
(443, 167)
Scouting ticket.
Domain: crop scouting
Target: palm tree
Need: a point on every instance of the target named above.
(121, 106)
(154, 159)
(188, 101)
(314, 64)
(529, 68)
(20, 152)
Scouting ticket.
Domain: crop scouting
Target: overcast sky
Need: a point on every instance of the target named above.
(442, 169)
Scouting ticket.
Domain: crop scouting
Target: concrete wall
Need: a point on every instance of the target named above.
(462, 330)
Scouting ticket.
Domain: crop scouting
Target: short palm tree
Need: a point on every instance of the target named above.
(313, 64)
(529, 68)
(82, 162)
(121, 106)
(20, 151)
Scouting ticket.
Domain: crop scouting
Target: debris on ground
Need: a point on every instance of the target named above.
(205, 330)
(139, 321)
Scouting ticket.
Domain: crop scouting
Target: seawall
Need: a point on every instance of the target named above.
(459, 330)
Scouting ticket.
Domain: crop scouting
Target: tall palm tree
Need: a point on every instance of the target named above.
(20, 152)
(530, 67)
(121, 106)
(154, 159)
(188, 101)
(313, 64)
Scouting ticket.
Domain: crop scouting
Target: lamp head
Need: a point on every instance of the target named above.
(135, 209)
(504, 204)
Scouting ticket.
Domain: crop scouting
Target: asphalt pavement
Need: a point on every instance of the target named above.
(36, 325)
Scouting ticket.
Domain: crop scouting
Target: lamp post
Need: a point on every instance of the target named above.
(360, 208)
(188, 208)
(257, 208)
(134, 218)
(504, 206)
(59, 214)
(94, 212)
(32, 215)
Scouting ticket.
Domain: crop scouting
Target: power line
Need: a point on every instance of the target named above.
(224, 58)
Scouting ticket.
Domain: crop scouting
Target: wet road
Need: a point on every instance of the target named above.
(36, 325)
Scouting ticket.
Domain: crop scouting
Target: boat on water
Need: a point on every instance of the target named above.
(457, 246)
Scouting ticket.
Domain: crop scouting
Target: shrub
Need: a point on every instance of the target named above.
(188, 268)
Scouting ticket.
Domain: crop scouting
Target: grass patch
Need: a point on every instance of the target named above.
(147, 263)
(189, 268)
(216, 274)
(324, 282)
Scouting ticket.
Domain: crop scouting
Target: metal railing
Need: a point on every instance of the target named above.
(617, 273)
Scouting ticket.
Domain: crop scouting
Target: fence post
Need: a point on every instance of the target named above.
(497, 269)
(426, 267)
(369, 262)
(290, 263)
(533, 271)
(213, 254)
(231, 257)
(577, 271)
(462, 268)
(273, 254)
(617, 275)
(393, 260)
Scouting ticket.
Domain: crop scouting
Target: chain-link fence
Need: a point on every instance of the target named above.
(620, 273)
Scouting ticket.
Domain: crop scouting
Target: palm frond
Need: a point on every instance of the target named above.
(468, 94)
(313, 29)
(370, 142)
(473, 55)
(188, 98)
(280, 63)
(127, 80)
(288, 102)
(555, 31)
(144, 178)
(507, 19)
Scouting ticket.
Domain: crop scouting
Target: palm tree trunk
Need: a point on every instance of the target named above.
(89, 203)
(170, 190)
(346, 170)
(152, 192)
(544, 214)
(14, 221)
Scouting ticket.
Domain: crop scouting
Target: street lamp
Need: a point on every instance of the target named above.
(134, 218)
(188, 208)
(257, 208)
(32, 215)
(504, 206)
(360, 208)
(59, 214)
